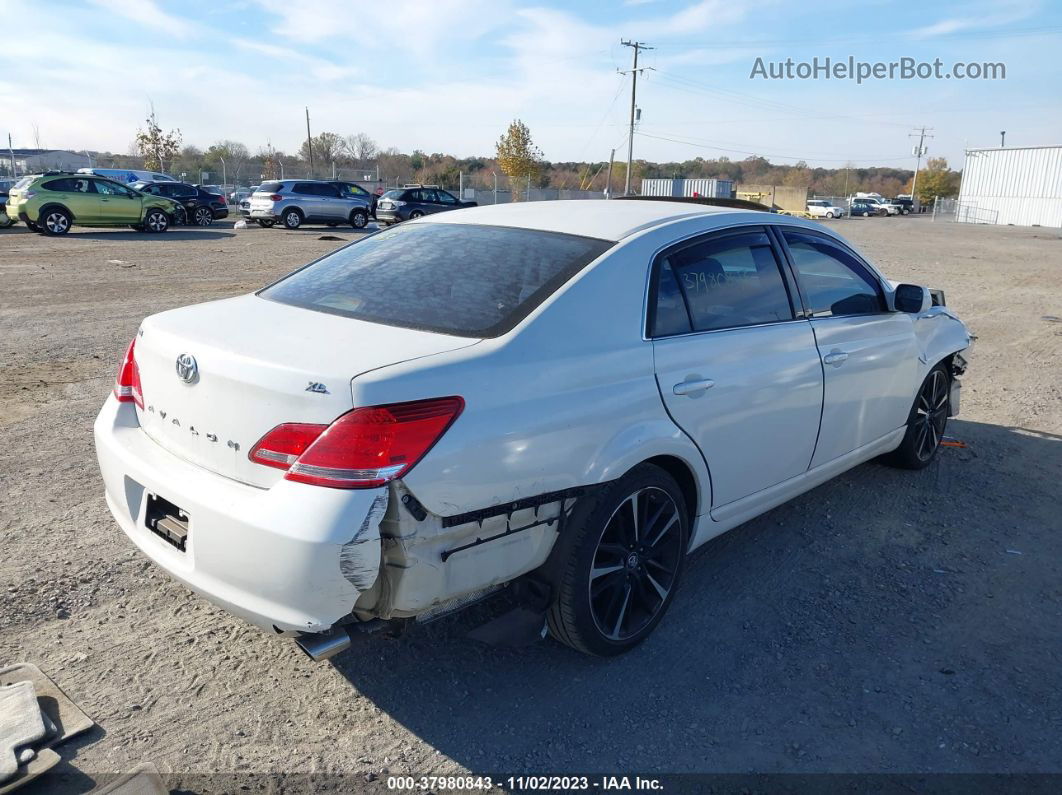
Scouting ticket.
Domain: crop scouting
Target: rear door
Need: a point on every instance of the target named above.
(869, 355)
(737, 368)
(309, 200)
(79, 195)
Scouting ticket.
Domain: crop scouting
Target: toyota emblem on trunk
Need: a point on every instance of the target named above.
(187, 369)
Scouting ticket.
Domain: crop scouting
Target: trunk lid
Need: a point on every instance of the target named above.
(257, 364)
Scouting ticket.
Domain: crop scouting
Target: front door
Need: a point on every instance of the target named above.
(737, 370)
(117, 204)
(869, 355)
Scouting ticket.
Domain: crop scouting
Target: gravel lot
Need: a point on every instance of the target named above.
(887, 621)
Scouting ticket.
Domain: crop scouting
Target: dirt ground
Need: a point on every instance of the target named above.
(887, 621)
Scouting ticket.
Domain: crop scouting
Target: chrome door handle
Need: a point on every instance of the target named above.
(692, 387)
(836, 358)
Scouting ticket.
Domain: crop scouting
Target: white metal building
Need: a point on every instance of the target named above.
(1020, 186)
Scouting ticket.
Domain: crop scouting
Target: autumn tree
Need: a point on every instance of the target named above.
(155, 145)
(936, 179)
(232, 154)
(518, 157)
(360, 148)
(327, 148)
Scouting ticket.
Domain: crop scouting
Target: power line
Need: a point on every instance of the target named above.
(877, 37)
(769, 154)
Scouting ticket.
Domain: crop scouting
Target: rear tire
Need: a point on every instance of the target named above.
(32, 226)
(620, 559)
(415, 214)
(925, 424)
(204, 216)
(292, 219)
(359, 219)
(265, 224)
(55, 221)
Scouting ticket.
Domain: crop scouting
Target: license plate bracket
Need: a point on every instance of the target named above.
(167, 521)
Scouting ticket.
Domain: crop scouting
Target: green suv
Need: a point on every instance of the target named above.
(52, 203)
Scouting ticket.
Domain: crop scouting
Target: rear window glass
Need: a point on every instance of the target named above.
(393, 194)
(461, 279)
(271, 187)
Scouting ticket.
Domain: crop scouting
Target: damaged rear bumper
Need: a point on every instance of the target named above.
(291, 558)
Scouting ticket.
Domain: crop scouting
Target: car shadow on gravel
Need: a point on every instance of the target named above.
(885, 621)
(176, 233)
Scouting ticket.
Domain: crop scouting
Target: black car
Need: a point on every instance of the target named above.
(415, 201)
(5, 186)
(906, 205)
(199, 206)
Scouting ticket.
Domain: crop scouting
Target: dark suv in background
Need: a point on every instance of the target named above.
(198, 206)
(413, 201)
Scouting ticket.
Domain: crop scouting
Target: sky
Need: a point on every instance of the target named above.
(449, 75)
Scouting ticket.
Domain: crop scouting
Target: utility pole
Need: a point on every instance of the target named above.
(636, 46)
(919, 150)
(309, 141)
(11, 151)
(1002, 138)
(608, 185)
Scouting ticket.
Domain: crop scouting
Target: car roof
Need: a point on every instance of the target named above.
(607, 220)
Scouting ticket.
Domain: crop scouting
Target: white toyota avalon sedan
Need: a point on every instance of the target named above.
(564, 397)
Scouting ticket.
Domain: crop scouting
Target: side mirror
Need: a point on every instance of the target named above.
(912, 298)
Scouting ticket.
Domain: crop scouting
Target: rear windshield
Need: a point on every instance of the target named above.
(461, 279)
(270, 187)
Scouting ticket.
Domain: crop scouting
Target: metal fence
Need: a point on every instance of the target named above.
(962, 212)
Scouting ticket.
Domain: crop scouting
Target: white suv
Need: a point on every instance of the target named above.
(294, 202)
(820, 208)
(565, 396)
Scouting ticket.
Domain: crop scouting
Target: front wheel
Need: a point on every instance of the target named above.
(265, 224)
(156, 222)
(5, 220)
(620, 560)
(359, 219)
(926, 422)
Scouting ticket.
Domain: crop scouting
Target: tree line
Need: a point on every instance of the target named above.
(516, 163)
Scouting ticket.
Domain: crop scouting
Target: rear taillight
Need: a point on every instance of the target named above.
(127, 387)
(275, 197)
(364, 448)
(224, 200)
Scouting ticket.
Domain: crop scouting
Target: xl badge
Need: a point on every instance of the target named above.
(318, 387)
(187, 369)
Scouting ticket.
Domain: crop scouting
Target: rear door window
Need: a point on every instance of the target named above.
(70, 185)
(461, 279)
(270, 187)
(727, 282)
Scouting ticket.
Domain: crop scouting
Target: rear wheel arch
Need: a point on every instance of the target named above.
(684, 476)
(46, 208)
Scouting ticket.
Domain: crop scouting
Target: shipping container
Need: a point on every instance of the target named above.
(707, 188)
(1020, 186)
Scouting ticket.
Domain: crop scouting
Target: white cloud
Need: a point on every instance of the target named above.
(148, 14)
(982, 17)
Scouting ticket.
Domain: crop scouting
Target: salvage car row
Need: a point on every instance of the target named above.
(55, 201)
